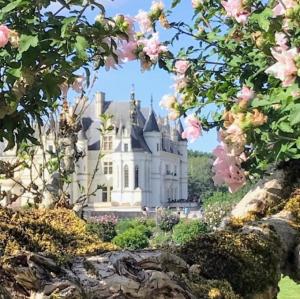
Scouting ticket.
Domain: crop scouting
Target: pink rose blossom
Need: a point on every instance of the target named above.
(234, 138)
(144, 21)
(128, 50)
(295, 93)
(193, 129)
(246, 94)
(285, 69)
(235, 9)
(282, 6)
(281, 41)
(153, 47)
(181, 66)
(228, 169)
(180, 83)
(110, 63)
(78, 84)
(167, 101)
(130, 27)
(4, 35)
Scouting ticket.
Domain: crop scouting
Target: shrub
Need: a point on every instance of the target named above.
(161, 239)
(104, 227)
(132, 238)
(187, 230)
(168, 221)
(57, 233)
(220, 204)
(145, 226)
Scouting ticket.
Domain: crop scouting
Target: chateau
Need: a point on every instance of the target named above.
(144, 159)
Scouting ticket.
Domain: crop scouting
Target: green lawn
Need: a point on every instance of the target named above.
(288, 289)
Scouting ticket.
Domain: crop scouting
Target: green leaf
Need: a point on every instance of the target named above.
(259, 103)
(295, 115)
(285, 127)
(263, 19)
(27, 41)
(298, 143)
(16, 72)
(81, 45)
(175, 3)
(66, 23)
(9, 7)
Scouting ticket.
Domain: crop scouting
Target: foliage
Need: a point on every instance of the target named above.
(144, 225)
(247, 261)
(132, 238)
(161, 239)
(200, 183)
(243, 63)
(57, 233)
(104, 226)
(186, 230)
(46, 50)
(220, 204)
(168, 221)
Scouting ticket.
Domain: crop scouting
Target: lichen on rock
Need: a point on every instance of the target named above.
(57, 233)
(247, 261)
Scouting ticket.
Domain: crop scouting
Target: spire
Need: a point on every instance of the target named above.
(133, 107)
(151, 123)
(132, 93)
(151, 102)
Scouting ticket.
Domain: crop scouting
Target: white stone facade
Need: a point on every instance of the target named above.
(144, 159)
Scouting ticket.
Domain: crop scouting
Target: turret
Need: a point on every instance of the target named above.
(152, 133)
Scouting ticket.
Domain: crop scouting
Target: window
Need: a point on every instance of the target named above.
(136, 177)
(107, 143)
(167, 169)
(157, 147)
(125, 147)
(108, 167)
(104, 194)
(175, 170)
(126, 177)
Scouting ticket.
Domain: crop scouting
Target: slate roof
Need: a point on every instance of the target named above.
(151, 123)
(121, 117)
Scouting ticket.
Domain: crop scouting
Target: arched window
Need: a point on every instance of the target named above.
(126, 176)
(136, 177)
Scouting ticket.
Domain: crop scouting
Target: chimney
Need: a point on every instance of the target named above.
(100, 101)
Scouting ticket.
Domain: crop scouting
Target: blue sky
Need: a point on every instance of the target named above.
(117, 83)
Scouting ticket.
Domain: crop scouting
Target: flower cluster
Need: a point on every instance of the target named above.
(236, 10)
(105, 219)
(193, 128)
(7, 35)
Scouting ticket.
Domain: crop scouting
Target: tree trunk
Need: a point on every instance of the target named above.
(244, 259)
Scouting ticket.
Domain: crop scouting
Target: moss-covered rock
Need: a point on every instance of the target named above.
(56, 233)
(249, 262)
(293, 206)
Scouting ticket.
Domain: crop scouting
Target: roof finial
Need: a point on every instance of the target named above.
(151, 102)
(132, 94)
